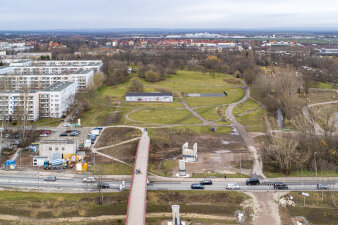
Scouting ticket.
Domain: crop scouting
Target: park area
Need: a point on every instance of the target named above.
(108, 106)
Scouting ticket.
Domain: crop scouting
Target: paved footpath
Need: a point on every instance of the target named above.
(138, 191)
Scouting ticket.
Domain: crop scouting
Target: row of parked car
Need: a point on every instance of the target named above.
(72, 133)
(251, 181)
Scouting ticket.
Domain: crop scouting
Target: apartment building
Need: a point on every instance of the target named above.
(19, 103)
(52, 101)
(55, 100)
(13, 80)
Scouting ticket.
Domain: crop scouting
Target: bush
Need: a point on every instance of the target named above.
(136, 85)
(152, 76)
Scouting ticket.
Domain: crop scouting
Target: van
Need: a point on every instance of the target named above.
(252, 181)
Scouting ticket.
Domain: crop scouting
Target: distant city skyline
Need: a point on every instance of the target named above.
(193, 14)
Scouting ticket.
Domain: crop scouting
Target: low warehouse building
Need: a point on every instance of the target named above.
(149, 97)
(54, 149)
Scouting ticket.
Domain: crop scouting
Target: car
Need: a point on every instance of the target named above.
(70, 120)
(43, 135)
(63, 134)
(17, 142)
(7, 136)
(50, 178)
(252, 181)
(103, 185)
(197, 186)
(66, 124)
(16, 136)
(206, 182)
(88, 180)
(232, 186)
(322, 187)
(98, 128)
(74, 134)
(46, 132)
(280, 185)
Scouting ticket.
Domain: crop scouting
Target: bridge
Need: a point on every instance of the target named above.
(138, 191)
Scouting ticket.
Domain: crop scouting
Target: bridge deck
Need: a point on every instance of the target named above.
(138, 190)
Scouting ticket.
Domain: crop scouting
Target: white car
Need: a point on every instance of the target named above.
(88, 180)
(232, 186)
(43, 135)
(66, 124)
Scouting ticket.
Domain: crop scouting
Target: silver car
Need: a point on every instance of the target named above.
(50, 178)
(88, 180)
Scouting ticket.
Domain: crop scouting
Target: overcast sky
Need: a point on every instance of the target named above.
(81, 14)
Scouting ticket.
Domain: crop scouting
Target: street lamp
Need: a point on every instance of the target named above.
(240, 162)
(314, 156)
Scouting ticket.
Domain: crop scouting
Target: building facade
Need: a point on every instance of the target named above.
(54, 149)
(149, 97)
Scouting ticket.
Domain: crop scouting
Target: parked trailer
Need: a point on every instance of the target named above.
(57, 163)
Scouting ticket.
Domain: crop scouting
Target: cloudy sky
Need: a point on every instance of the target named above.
(81, 14)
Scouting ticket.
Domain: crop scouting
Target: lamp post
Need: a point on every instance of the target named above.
(240, 162)
(314, 156)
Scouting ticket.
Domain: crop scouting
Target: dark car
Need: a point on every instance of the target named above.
(197, 186)
(16, 136)
(252, 181)
(279, 185)
(322, 187)
(70, 120)
(103, 185)
(206, 182)
(74, 134)
(63, 134)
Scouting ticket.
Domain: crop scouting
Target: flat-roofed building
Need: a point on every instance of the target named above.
(149, 97)
(54, 149)
(14, 80)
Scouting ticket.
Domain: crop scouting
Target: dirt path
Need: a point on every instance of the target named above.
(265, 208)
(27, 220)
(257, 169)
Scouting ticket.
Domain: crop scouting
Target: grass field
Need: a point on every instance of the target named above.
(115, 168)
(324, 85)
(318, 209)
(245, 106)
(212, 113)
(47, 122)
(56, 205)
(304, 173)
(105, 101)
(253, 121)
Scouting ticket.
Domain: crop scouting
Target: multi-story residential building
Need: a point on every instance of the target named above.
(55, 100)
(14, 80)
(19, 104)
(71, 65)
(52, 101)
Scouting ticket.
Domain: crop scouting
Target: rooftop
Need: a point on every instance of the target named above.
(58, 86)
(57, 141)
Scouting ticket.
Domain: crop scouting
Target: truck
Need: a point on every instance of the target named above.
(57, 163)
(88, 143)
(10, 164)
(95, 132)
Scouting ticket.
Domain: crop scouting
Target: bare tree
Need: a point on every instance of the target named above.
(136, 85)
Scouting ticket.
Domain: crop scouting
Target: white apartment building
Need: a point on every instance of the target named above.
(54, 149)
(52, 101)
(12, 80)
(55, 100)
(69, 65)
(21, 103)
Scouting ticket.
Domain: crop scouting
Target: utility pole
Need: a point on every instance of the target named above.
(240, 162)
(38, 178)
(314, 156)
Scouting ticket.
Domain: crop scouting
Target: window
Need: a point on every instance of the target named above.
(63, 148)
(50, 148)
(56, 148)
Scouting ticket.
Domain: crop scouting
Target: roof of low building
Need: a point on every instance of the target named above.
(153, 94)
(58, 141)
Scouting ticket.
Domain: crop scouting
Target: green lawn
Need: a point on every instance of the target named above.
(47, 122)
(253, 121)
(166, 169)
(245, 106)
(212, 113)
(202, 129)
(218, 175)
(324, 85)
(304, 173)
(164, 116)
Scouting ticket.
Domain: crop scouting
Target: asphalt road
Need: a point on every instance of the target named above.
(76, 185)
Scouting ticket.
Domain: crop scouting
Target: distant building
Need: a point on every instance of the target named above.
(54, 149)
(149, 97)
(34, 55)
(327, 51)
